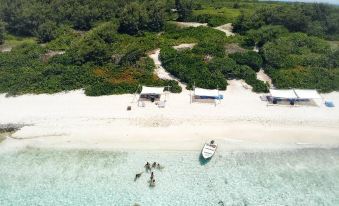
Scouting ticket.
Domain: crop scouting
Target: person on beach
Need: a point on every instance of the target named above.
(137, 176)
(154, 164)
(152, 176)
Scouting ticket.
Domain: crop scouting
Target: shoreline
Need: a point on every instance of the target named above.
(235, 137)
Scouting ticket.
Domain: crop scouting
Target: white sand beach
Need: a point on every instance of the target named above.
(240, 121)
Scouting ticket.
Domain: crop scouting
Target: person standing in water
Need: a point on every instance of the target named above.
(148, 166)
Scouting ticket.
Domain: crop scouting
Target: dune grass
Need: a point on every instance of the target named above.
(227, 13)
(14, 41)
(334, 44)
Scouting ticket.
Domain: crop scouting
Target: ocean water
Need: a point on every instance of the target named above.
(83, 177)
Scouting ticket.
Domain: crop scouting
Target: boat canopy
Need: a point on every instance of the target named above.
(283, 93)
(307, 94)
(206, 92)
(152, 90)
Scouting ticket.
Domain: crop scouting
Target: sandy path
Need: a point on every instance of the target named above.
(190, 24)
(160, 71)
(261, 75)
(184, 46)
(226, 28)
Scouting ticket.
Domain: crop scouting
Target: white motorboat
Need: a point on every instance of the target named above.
(209, 150)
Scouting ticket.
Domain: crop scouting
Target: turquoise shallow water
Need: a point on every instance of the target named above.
(77, 177)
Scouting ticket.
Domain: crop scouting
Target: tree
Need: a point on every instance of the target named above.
(47, 31)
(133, 19)
(137, 17)
(184, 8)
(266, 33)
(156, 15)
(251, 59)
(2, 32)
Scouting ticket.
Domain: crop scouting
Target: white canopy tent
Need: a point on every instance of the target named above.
(283, 94)
(307, 94)
(214, 93)
(294, 95)
(206, 96)
(152, 90)
(153, 94)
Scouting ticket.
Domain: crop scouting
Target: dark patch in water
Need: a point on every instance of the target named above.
(203, 161)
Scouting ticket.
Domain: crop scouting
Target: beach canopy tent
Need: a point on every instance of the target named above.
(152, 90)
(283, 94)
(293, 95)
(151, 93)
(307, 94)
(207, 93)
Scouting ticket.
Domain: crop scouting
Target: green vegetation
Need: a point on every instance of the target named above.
(102, 61)
(215, 17)
(136, 17)
(2, 32)
(300, 61)
(250, 58)
(264, 34)
(207, 64)
(102, 46)
(314, 19)
(325, 80)
(14, 41)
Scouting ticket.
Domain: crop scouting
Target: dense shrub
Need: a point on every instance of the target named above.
(315, 19)
(195, 34)
(191, 69)
(87, 63)
(184, 8)
(264, 34)
(2, 32)
(325, 80)
(65, 39)
(137, 17)
(296, 49)
(47, 31)
(250, 58)
(211, 49)
(231, 70)
(22, 71)
(25, 17)
(299, 61)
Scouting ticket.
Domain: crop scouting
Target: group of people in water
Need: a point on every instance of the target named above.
(149, 168)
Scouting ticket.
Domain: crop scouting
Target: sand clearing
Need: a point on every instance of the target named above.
(227, 29)
(261, 75)
(190, 24)
(184, 46)
(241, 121)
